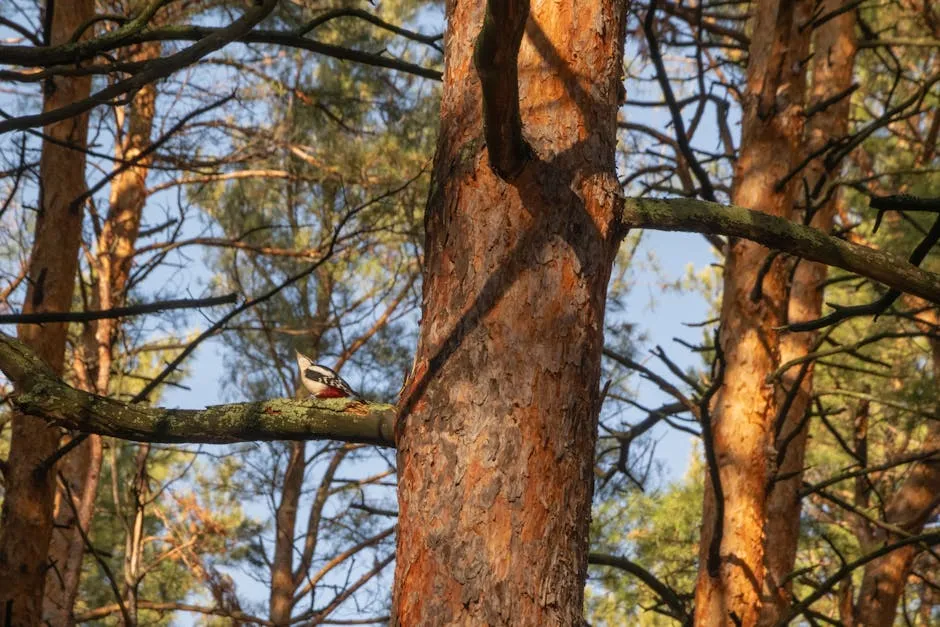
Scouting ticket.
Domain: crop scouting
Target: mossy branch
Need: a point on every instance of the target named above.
(699, 216)
(39, 392)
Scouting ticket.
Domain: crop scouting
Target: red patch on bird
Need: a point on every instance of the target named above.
(332, 393)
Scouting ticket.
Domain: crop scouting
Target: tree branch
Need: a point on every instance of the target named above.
(40, 393)
(71, 53)
(160, 68)
(496, 58)
(927, 539)
(667, 594)
(116, 312)
(706, 188)
(685, 214)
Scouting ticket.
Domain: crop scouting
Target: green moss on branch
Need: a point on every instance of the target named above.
(40, 393)
(699, 216)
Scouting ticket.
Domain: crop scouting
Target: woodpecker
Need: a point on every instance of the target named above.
(323, 382)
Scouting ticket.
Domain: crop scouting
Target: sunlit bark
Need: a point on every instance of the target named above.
(753, 308)
(81, 468)
(832, 70)
(27, 518)
(497, 424)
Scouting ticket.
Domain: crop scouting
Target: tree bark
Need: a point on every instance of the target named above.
(30, 487)
(283, 586)
(496, 427)
(81, 468)
(833, 62)
(729, 586)
(909, 509)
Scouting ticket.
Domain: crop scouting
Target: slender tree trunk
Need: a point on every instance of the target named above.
(134, 537)
(284, 581)
(833, 61)
(30, 487)
(497, 424)
(81, 468)
(909, 508)
(282, 574)
(729, 589)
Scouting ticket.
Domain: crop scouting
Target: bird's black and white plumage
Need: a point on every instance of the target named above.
(323, 382)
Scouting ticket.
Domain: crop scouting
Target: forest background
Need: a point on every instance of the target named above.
(295, 175)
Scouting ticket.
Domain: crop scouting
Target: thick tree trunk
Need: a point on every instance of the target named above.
(496, 428)
(909, 509)
(729, 589)
(833, 60)
(81, 468)
(30, 487)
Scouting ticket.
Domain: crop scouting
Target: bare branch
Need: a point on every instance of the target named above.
(157, 70)
(707, 190)
(116, 312)
(667, 594)
(927, 539)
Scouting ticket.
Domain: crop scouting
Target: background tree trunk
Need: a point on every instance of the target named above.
(30, 487)
(834, 48)
(81, 468)
(282, 574)
(909, 509)
(497, 424)
(284, 581)
(753, 306)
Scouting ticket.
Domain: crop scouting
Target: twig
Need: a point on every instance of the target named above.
(713, 563)
(667, 594)
(707, 189)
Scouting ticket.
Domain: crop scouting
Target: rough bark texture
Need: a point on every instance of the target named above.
(496, 428)
(909, 508)
(28, 502)
(753, 305)
(833, 60)
(81, 468)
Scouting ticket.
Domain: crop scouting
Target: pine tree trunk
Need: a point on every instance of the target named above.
(753, 306)
(909, 508)
(284, 580)
(282, 575)
(30, 487)
(833, 61)
(81, 468)
(497, 422)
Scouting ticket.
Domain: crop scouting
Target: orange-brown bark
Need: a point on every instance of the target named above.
(834, 48)
(753, 306)
(28, 502)
(81, 468)
(909, 509)
(497, 423)
(282, 576)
